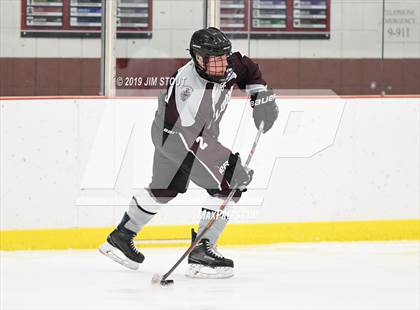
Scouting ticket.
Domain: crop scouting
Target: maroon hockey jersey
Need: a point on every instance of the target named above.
(194, 107)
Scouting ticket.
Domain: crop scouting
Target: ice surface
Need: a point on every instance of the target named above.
(382, 275)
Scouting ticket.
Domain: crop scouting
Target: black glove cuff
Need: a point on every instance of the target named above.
(233, 161)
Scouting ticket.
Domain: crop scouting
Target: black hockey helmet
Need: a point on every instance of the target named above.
(210, 42)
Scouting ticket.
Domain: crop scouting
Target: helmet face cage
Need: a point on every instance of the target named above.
(211, 45)
(212, 65)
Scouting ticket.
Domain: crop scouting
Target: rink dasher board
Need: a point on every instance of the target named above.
(345, 203)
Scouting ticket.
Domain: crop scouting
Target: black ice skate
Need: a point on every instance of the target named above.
(119, 247)
(206, 262)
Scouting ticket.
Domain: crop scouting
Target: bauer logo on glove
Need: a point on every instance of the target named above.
(264, 108)
(264, 100)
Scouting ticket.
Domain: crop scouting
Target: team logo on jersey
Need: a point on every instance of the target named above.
(186, 92)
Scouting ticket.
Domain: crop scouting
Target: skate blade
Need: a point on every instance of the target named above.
(117, 256)
(197, 271)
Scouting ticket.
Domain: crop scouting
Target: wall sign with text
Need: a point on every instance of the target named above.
(402, 23)
(82, 18)
(290, 19)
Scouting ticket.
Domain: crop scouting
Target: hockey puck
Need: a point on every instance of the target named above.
(157, 279)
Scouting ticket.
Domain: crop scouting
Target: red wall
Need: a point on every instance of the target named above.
(74, 76)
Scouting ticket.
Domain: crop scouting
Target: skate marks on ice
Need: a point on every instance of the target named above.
(383, 275)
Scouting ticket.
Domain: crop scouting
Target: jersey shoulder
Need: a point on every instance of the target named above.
(187, 93)
(237, 60)
(248, 72)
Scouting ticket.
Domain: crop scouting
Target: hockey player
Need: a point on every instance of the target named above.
(185, 135)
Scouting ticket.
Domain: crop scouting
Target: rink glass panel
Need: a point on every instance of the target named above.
(358, 49)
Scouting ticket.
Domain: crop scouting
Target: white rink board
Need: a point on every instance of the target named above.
(75, 162)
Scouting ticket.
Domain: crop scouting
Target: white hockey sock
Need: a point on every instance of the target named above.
(141, 210)
(216, 229)
(210, 209)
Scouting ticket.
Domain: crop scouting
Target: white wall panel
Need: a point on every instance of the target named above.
(159, 47)
(67, 48)
(91, 48)
(47, 48)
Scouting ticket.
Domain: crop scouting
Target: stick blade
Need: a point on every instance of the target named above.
(158, 279)
(166, 282)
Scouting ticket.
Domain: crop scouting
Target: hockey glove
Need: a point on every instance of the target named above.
(265, 108)
(237, 175)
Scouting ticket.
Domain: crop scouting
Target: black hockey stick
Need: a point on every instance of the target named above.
(163, 279)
